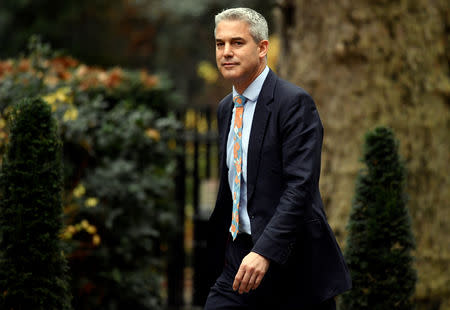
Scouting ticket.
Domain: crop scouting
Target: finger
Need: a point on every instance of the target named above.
(251, 282)
(238, 278)
(258, 280)
(245, 281)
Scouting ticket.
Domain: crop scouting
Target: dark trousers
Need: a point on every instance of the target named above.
(222, 296)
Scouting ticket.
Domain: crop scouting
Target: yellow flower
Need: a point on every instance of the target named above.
(71, 114)
(208, 72)
(69, 232)
(153, 134)
(84, 224)
(91, 229)
(61, 95)
(67, 235)
(91, 202)
(2, 123)
(79, 191)
(96, 239)
(71, 229)
(50, 99)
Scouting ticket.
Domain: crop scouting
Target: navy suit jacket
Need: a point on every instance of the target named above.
(288, 222)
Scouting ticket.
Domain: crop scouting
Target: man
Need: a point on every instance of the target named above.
(270, 244)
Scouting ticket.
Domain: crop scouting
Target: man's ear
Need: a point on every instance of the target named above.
(263, 48)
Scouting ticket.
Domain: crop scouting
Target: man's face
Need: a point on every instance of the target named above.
(238, 57)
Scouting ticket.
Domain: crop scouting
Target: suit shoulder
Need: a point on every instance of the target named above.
(293, 101)
(221, 109)
(286, 89)
(225, 100)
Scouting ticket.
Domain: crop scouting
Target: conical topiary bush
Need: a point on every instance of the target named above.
(380, 240)
(33, 270)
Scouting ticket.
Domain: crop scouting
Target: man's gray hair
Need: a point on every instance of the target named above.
(257, 23)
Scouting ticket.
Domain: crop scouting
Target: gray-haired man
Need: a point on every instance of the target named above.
(270, 244)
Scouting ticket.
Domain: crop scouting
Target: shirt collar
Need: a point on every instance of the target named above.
(253, 90)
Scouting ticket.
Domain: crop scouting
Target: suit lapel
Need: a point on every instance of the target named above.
(225, 120)
(259, 123)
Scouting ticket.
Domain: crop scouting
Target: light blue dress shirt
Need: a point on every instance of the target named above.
(251, 93)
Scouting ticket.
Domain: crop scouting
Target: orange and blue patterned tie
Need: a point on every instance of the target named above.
(239, 102)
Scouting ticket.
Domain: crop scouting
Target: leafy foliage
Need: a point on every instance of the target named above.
(158, 35)
(33, 270)
(118, 132)
(380, 240)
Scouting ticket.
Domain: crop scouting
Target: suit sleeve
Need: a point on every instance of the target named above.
(301, 135)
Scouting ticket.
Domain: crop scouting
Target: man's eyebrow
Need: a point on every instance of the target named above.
(232, 39)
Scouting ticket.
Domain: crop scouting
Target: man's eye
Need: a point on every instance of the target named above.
(238, 43)
(219, 44)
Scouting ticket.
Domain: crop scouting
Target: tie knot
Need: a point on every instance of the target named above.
(239, 101)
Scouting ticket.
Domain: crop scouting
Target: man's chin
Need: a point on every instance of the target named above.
(229, 76)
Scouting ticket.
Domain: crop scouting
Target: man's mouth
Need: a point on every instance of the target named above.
(229, 64)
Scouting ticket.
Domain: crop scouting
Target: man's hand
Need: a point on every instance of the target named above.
(251, 272)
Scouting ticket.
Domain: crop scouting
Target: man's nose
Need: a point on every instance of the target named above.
(227, 52)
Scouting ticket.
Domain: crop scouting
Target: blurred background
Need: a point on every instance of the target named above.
(135, 88)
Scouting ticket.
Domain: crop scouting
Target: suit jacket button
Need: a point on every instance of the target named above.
(252, 217)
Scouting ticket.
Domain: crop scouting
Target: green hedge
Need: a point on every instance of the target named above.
(118, 130)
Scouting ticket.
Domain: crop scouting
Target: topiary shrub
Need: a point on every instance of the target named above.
(380, 240)
(33, 269)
